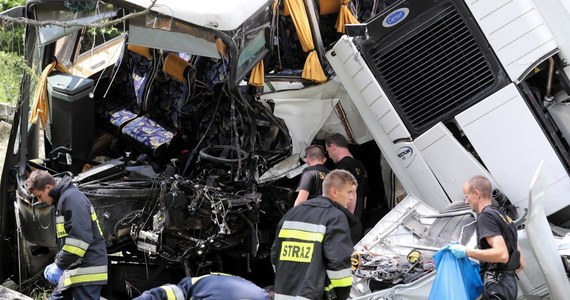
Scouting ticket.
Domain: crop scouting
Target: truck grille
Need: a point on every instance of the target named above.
(433, 70)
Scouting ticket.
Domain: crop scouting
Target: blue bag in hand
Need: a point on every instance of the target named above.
(455, 278)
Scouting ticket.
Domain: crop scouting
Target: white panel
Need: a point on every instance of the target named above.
(557, 16)
(215, 14)
(448, 160)
(383, 123)
(511, 145)
(516, 31)
(542, 241)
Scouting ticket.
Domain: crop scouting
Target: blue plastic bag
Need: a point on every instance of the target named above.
(455, 278)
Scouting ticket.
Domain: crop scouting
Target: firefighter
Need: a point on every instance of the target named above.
(337, 148)
(311, 252)
(211, 286)
(311, 183)
(80, 266)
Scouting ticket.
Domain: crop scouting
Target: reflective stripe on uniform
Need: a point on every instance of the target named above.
(340, 278)
(90, 275)
(94, 219)
(173, 292)
(75, 246)
(60, 227)
(304, 226)
(287, 297)
(302, 231)
(195, 279)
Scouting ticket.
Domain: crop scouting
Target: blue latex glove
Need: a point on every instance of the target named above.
(52, 273)
(458, 250)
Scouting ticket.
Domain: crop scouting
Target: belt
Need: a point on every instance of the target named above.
(492, 276)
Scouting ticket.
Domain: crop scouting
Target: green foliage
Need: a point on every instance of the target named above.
(11, 73)
(7, 4)
(11, 54)
(11, 36)
(97, 36)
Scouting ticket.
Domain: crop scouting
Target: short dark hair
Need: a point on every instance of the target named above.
(337, 139)
(337, 178)
(38, 180)
(481, 183)
(314, 152)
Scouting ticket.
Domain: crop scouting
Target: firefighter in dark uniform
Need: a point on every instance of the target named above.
(498, 251)
(211, 286)
(337, 148)
(311, 183)
(80, 267)
(312, 248)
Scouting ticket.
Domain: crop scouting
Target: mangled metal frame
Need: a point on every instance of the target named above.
(163, 211)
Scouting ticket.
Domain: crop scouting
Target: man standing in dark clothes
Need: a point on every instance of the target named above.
(311, 183)
(337, 148)
(80, 267)
(498, 251)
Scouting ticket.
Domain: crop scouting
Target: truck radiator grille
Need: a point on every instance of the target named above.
(434, 70)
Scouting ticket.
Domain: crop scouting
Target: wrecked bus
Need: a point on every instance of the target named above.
(190, 159)
(149, 118)
(156, 112)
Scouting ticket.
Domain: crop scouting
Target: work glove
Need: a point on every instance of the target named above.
(458, 250)
(52, 273)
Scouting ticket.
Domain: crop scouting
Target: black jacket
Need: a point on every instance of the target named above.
(83, 253)
(311, 251)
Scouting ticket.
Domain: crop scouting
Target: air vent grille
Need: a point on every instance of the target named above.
(434, 70)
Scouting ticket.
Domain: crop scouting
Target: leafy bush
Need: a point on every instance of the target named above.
(11, 53)
(11, 73)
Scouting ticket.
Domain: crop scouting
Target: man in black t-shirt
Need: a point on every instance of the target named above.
(337, 148)
(498, 251)
(311, 183)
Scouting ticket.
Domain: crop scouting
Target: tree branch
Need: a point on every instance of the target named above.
(66, 24)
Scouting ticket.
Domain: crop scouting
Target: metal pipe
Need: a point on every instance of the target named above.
(452, 214)
(428, 248)
(550, 74)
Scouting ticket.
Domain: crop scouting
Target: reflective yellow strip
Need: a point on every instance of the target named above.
(94, 219)
(75, 246)
(60, 230)
(169, 293)
(195, 279)
(74, 250)
(329, 287)
(342, 282)
(337, 274)
(301, 235)
(175, 292)
(85, 278)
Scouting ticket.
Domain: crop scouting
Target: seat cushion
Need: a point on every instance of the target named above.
(121, 116)
(149, 135)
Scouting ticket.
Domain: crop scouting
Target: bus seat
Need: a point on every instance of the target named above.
(156, 128)
(133, 85)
